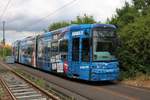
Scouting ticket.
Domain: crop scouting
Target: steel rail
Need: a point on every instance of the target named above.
(48, 94)
(7, 88)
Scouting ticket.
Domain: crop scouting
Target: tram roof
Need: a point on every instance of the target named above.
(79, 27)
(72, 28)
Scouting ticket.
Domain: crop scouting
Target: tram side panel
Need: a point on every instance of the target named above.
(43, 53)
(27, 52)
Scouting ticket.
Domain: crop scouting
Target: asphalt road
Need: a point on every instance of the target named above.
(90, 91)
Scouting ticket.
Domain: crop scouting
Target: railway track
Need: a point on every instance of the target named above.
(20, 88)
(96, 91)
(82, 91)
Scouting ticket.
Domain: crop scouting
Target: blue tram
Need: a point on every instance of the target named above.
(85, 51)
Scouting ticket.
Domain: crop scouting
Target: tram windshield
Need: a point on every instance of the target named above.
(103, 45)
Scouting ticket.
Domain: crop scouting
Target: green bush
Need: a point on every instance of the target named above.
(134, 53)
(133, 22)
(5, 51)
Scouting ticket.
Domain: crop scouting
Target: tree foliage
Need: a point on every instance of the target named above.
(134, 31)
(79, 20)
(126, 15)
(57, 25)
(5, 51)
(83, 20)
(135, 50)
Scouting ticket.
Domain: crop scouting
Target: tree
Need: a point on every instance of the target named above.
(79, 20)
(57, 25)
(134, 22)
(142, 6)
(135, 49)
(83, 20)
(124, 16)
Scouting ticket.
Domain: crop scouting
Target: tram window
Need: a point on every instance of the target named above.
(54, 48)
(63, 46)
(63, 49)
(75, 49)
(30, 51)
(85, 49)
(23, 51)
(48, 48)
(41, 48)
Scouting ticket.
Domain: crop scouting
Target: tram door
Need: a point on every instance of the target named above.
(76, 56)
(80, 55)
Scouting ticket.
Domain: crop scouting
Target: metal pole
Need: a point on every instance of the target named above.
(3, 39)
(4, 33)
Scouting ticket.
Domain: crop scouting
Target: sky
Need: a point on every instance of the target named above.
(29, 17)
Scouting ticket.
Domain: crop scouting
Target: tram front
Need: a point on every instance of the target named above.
(105, 66)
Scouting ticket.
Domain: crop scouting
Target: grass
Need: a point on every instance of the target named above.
(1, 92)
(126, 75)
(142, 77)
(4, 52)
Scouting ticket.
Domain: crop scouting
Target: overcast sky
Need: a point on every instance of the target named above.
(23, 17)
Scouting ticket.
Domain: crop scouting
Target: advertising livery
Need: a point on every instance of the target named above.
(85, 51)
